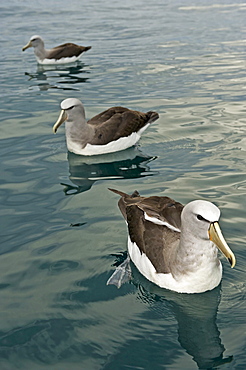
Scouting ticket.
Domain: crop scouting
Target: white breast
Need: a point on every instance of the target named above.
(207, 278)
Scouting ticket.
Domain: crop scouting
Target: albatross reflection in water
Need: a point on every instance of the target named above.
(197, 330)
(65, 75)
(85, 171)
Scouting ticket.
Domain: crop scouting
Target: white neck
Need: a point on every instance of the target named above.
(197, 260)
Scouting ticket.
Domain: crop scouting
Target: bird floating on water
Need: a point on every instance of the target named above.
(115, 129)
(65, 53)
(172, 245)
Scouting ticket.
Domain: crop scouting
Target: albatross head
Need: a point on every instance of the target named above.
(35, 42)
(72, 110)
(200, 219)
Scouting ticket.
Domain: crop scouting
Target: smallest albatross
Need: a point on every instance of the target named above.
(112, 130)
(172, 245)
(65, 53)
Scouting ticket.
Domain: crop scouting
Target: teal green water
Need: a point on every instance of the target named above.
(61, 230)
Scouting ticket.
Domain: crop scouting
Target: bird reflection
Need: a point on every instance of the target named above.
(73, 73)
(196, 316)
(85, 171)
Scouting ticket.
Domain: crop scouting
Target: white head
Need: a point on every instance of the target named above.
(35, 42)
(72, 111)
(72, 103)
(199, 219)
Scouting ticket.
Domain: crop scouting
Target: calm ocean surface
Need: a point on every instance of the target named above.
(61, 230)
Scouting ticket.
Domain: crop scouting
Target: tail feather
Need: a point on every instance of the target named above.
(153, 116)
(124, 195)
(118, 192)
(86, 48)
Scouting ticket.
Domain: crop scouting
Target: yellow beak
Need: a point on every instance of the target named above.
(62, 118)
(29, 45)
(215, 235)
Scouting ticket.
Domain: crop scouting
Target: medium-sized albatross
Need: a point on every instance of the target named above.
(172, 245)
(115, 129)
(65, 53)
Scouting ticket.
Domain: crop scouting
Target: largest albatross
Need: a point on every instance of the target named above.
(172, 245)
(65, 53)
(112, 130)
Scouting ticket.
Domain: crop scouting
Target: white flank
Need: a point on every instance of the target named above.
(159, 222)
(58, 61)
(114, 146)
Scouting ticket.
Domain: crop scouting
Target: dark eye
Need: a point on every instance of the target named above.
(200, 218)
(70, 107)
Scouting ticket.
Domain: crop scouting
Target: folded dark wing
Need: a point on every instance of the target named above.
(164, 209)
(158, 242)
(67, 50)
(117, 122)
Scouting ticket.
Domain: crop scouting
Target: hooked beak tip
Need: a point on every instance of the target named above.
(232, 261)
(26, 47)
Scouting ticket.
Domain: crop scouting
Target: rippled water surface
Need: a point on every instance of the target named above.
(61, 230)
